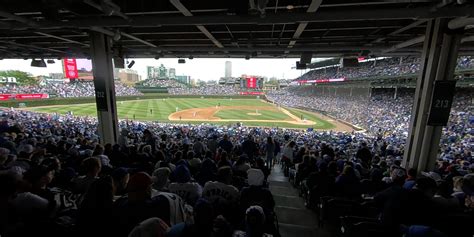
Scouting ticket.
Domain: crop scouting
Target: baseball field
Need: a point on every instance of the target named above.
(249, 112)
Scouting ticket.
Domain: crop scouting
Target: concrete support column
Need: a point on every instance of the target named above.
(335, 91)
(103, 71)
(350, 94)
(438, 61)
(396, 93)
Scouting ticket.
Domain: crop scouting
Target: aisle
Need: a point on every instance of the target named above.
(294, 218)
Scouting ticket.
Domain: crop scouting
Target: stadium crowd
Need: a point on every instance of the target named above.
(206, 180)
(170, 83)
(371, 113)
(205, 90)
(384, 67)
(66, 90)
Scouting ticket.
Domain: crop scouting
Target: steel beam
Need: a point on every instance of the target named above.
(313, 7)
(326, 15)
(104, 87)
(186, 12)
(461, 22)
(438, 60)
(405, 44)
(61, 38)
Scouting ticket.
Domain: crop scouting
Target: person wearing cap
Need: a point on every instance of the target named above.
(184, 187)
(23, 160)
(99, 153)
(389, 200)
(241, 166)
(418, 206)
(160, 179)
(137, 205)
(257, 194)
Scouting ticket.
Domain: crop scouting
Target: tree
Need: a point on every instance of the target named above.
(22, 78)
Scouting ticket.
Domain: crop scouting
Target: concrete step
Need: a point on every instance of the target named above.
(289, 201)
(296, 216)
(280, 184)
(300, 231)
(283, 191)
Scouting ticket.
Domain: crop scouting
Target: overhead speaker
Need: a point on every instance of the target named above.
(306, 57)
(349, 62)
(38, 63)
(130, 65)
(300, 65)
(119, 62)
(181, 60)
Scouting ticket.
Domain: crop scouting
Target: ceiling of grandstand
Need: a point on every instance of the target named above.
(224, 28)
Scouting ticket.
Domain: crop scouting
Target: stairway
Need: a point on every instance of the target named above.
(294, 219)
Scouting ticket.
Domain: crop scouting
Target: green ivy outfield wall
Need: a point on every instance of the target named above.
(146, 89)
(85, 100)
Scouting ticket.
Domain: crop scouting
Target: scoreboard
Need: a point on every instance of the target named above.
(251, 82)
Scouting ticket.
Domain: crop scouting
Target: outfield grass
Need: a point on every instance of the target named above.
(162, 108)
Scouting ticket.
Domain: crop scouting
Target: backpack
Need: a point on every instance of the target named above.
(177, 210)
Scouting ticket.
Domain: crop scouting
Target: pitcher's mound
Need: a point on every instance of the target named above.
(254, 114)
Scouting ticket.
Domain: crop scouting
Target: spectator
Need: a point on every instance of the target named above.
(189, 191)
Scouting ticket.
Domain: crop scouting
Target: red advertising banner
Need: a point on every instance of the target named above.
(251, 93)
(5, 96)
(70, 68)
(251, 82)
(31, 96)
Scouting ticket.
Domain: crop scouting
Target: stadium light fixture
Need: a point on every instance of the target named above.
(38, 63)
(117, 35)
(50, 61)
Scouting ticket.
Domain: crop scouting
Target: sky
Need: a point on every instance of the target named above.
(198, 68)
